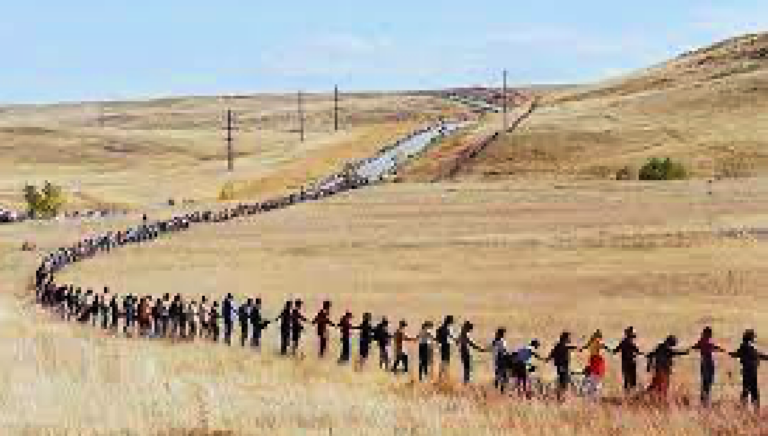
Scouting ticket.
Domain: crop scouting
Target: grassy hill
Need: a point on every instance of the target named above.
(708, 108)
(148, 151)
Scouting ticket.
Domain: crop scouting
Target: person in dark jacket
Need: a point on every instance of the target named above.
(444, 336)
(322, 321)
(750, 359)
(561, 357)
(345, 328)
(228, 314)
(661, 361)
(629, 353)
(244, 317)
(297, 326)
(286, 321)
(366, 338)
(258, 323)
(466, 344)
(707, 348)
(382, 336)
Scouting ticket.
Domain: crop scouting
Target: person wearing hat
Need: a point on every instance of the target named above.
(466, 343)
(661, 361)
(521, 366)
(629, 353)
(707, 349)
(750, 359)
(400, 337)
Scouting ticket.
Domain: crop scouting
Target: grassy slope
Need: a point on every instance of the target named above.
(707, 108)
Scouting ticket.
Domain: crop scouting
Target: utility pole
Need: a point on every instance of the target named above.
(301, 116)
(336, 108)
(504, 100)
(230, 127)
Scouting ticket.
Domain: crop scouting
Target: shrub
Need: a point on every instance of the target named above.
(662, 169)
(45, 203)
(227, 192)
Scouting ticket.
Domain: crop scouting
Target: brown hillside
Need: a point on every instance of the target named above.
(708, 108)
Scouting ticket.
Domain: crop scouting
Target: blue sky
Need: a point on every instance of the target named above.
(90, 49)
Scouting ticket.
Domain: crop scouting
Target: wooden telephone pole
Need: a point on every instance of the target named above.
(504, 100)
(229, 127)
(336, 108)
(301, 116)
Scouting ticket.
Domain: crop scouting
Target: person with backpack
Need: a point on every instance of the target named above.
(521, 366)
(444, 336)
(382, 337)
(707, 349)
(661, 361)
(750, 359)
(322, 321)
(500, 368)
(629, 354)
(400, 337)
(466, 344)
(258, 323)
(561, 357)
(244, 318)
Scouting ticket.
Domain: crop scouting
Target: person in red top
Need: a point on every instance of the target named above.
(707, 349)
(323, 321)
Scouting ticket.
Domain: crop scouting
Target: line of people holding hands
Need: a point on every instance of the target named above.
(182, 319)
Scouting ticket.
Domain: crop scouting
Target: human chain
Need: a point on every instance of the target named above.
(182, 319)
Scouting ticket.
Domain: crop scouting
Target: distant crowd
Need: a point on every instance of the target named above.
(188, 319)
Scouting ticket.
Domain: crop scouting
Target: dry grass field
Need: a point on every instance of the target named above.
(530, 237)
(534, 257)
